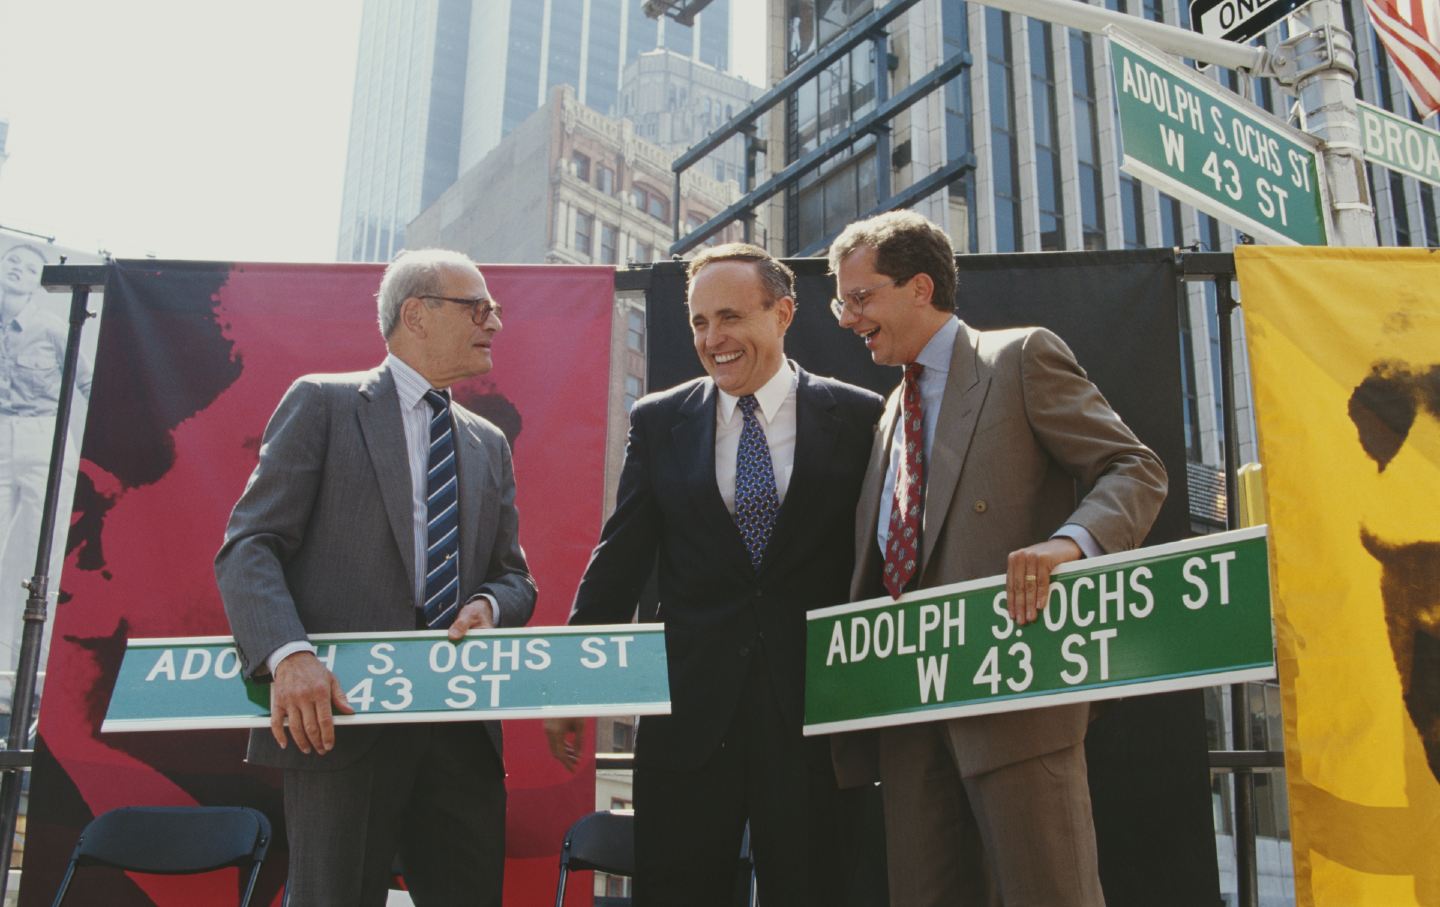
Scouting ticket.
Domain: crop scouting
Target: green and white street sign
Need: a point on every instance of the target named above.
(1210, 148)
(544, 672)
(1170, 617)
(1400, 144)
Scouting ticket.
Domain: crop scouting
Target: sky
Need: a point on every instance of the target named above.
(196, 129)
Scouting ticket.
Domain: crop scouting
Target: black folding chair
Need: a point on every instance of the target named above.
(603, 841)
(173, 841)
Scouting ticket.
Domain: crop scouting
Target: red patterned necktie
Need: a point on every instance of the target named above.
(902, 549)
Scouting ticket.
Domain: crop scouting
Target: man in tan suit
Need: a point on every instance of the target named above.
(1005, 459)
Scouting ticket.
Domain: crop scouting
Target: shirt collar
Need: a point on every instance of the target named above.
(935, 357)
(409, 384)
(25, 315)
(771, 396)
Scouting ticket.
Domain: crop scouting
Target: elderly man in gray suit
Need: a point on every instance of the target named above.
(995, 455)
(378, 504)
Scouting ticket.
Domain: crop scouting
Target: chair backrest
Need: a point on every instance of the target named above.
(173, 840)
(603, 841)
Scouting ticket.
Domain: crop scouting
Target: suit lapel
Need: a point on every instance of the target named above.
(380, 426)
(867, 511)
(694, 452)
(959, 412)
(816, 428)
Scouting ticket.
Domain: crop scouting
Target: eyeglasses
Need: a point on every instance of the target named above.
(854, 301)
(480, 309)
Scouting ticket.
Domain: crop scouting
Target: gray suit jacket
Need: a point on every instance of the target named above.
(322, 539)
(1024, 444)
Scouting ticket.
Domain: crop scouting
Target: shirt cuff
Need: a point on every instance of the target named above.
(494, 605)
(1080, 536)
(290, 648)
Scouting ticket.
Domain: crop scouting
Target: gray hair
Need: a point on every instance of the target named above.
(777, 278)
(413, 273)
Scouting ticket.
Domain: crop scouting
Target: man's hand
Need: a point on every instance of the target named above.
(302, 696)
(1027, 576)
(566, 736)
(476, 613)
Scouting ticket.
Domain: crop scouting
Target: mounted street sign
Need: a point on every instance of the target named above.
(1208, 147)
(1399, 144)
(1238, 20)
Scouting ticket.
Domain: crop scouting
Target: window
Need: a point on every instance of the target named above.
(1047, 146)
(605, 179)
(1004, 159)
(609, 242)
(584, 232)
(635, 331)
(643, 252)
(634, 390)
(1087, 141)
(694, 220)
(582, 165)
(622, 740)
(652, 202)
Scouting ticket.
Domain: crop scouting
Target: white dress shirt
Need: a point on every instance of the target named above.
(776, 414)
(415, 415)
(935, 358)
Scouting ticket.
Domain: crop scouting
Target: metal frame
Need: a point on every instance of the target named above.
(17, 760)
(1244, 760)
(871, 28)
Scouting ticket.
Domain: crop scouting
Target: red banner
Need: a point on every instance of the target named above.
(192, 359)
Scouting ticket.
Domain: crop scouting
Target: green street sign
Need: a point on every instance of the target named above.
(545, 672)
(1400, 144)
(1210, 148)
(1170, 617)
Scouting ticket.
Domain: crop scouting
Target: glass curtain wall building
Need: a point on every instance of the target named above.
(438, 83)
(1037, 109)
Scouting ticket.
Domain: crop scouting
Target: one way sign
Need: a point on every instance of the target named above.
(1238, 20)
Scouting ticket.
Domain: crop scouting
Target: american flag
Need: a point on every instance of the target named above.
(1410, 30)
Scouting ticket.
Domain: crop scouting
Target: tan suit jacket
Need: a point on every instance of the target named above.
(1024, 444)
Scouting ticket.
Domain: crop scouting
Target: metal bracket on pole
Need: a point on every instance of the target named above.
(1325, 83)
(1323, 48)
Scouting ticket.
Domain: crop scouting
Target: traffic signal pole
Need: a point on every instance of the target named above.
(1319, 66)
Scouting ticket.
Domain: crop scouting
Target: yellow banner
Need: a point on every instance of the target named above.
(1345, 362)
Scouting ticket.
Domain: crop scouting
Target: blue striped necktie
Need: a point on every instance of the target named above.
(442, 532)
(756, 500)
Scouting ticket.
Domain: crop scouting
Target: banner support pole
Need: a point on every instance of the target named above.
(80, 280)
(1246, 880)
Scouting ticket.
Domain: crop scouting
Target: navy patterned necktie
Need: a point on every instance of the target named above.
(756, 500)
(442, 531)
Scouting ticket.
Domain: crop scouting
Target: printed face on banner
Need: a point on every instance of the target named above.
(20, 270)
(35, 327)
(1396, 411)
(193, 360)
(1343, 361)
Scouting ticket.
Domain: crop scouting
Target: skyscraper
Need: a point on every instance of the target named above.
(439, 82)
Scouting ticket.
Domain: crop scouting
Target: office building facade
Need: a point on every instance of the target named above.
(439, 82)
